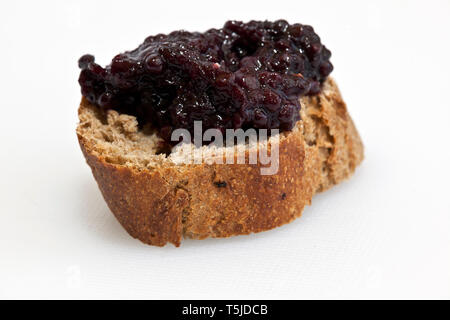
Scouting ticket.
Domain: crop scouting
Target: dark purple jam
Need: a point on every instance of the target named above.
(245, 75)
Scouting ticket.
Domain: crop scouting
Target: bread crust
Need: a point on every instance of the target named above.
(170, 202)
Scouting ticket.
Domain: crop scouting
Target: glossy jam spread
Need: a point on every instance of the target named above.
(245, 75)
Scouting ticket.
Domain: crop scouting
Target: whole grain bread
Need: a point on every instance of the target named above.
(159, 199)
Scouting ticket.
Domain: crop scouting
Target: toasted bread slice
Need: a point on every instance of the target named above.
(158, 198)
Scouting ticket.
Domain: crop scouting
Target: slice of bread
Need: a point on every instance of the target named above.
(159, 199)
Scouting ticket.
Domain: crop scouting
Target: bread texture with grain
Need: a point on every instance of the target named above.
(159, 199)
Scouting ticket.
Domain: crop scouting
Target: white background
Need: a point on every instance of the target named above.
(385, 233)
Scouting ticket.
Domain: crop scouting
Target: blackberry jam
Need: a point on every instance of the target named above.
(245, 75)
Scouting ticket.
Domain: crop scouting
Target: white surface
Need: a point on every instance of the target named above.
(383, 234)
